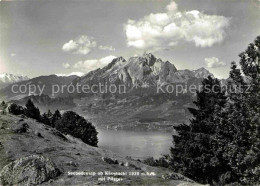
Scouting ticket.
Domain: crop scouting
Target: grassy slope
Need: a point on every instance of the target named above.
(71, 155)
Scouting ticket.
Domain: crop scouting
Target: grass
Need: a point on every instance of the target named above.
(4, 136)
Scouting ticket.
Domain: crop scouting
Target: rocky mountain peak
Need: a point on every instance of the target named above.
(150, 58)
(117, 61)
(6, 79)
(202, 73)
(143, 69)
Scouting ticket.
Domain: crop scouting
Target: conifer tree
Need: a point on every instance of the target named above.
(56, 117)
(241, 126)
(194, 153)
(45, 119)
(3, 103)
(31, 111)
(49, 114)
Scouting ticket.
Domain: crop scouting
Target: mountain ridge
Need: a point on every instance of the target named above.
(140, 70)
(7, 79)
(47, 81)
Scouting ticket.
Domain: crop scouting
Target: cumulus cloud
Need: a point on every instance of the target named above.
(214, 62)
(164, 30)
(93, 63)
(66, 65)
(109, 48)
(81, 45)
(72, 74)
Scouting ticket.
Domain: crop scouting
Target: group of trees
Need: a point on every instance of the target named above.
(68, 123)
(30, 110)
(221, 145)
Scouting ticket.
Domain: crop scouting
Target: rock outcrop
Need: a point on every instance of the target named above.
(30, 170)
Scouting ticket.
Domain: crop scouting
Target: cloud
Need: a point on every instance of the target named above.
(93, 63)
(214, 62)
(84, 45)
(72, 74)
(172, 6)
(165, 30)
(66, 65)
(109, 48)
(81, 45)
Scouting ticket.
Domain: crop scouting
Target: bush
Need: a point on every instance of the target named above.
(15, 109)
(75, 125)
(161, 162)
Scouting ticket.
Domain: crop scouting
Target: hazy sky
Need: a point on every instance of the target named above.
(62, 37)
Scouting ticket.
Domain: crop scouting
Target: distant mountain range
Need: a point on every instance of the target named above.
(7, 79)
(146, 69)
(46, 81)
(141, 107)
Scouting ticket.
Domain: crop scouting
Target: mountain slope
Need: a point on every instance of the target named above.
(72, 155)
(45, 103)
(45, 83)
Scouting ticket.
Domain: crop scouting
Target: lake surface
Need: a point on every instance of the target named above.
(135, 144)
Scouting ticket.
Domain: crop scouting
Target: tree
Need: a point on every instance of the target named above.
(56, 117)
(194, 153)
(75, 125)
(31, 111)
(4, 106)
(3, 103)
(45, 119)
(15, 109)
(49, 114)
(239, 131)
(222, 143)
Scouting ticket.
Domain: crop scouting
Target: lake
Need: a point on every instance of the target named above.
(135, 144)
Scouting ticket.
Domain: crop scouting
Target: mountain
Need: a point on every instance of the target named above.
(140, 106)
(40, 155)
(45, 103)
(7, 79)
(34, 86)
(146, 69)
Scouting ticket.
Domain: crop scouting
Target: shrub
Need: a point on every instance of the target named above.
(75, 125)
(161, 162)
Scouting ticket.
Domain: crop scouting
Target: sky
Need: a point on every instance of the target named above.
(74, 37)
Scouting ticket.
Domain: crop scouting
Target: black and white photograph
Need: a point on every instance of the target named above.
(130, 92)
